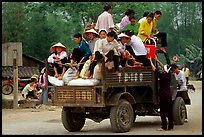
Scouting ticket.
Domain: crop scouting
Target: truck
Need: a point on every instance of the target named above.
(118, 98)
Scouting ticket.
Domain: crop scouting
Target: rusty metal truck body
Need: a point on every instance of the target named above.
(120, 98)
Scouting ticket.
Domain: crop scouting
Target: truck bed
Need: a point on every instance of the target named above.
(94, 95)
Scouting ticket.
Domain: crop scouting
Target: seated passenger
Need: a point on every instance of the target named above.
(57, 58)
(102, 35)
(137, 49)
(133, 25)
(108, 48)
(92, 38)
(127, 60)
(80, 54)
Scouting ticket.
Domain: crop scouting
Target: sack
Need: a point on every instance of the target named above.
(83, 82)
(97, 74)
(69, 75)
(55, 81)
(85, 69)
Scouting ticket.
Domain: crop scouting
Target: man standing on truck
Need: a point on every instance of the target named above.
(165, 95)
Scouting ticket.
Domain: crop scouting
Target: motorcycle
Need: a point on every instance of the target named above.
(8, 87)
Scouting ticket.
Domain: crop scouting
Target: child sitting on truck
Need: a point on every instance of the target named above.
(129, 61)
(57, 58)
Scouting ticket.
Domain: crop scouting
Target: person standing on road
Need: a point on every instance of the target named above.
(186, 72)
(105, 20)
(181, 81)
(41, 84)
(180, 77)
(165, 95)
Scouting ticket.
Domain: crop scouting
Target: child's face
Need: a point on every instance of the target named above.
(90, 36)
(110, 39)
(124, 40)
(59, 49)
(102, 35)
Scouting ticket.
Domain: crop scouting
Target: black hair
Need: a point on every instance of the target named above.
(129, 32)
(145, 14)
(158, 12)
(33, 80)
(132, 17)
(102, 31)
(174, 66)
(150, 15)
(111, 34)
(107, 7)
(77, 35)
(129, 12)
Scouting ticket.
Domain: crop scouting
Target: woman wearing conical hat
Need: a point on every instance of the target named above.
(57, 58)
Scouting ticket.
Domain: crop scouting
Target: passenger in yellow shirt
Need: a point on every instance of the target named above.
(146, 28)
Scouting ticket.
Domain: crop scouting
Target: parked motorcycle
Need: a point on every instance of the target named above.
(8, 87)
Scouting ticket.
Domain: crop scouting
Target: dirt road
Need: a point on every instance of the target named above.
(47, 121)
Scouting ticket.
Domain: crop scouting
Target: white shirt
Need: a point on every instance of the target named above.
(62, 55)
(181, 80)
(137, 46)
(26, 89)
(96, 46)
(105, 21)
(104, 46)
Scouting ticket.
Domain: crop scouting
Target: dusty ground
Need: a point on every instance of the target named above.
(47, 121)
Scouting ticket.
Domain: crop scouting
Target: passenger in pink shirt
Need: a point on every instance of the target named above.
(105, 20)
(57, 58)
(125, 20)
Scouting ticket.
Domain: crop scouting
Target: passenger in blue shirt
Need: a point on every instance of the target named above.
(82, 53)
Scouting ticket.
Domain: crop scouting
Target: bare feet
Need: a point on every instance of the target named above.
(161, 129)
(60, 78)
(56, 75)
(117, 73)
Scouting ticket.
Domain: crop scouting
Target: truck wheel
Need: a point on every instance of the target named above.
(121, 116)
(179, 111)
(72, 121)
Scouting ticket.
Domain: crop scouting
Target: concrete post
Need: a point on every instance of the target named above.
(15, 79)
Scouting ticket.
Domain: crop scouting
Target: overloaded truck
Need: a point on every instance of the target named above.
(118, 98)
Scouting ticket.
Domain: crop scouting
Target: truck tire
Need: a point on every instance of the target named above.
(72, 121)
(179, 111)
(121, 116)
